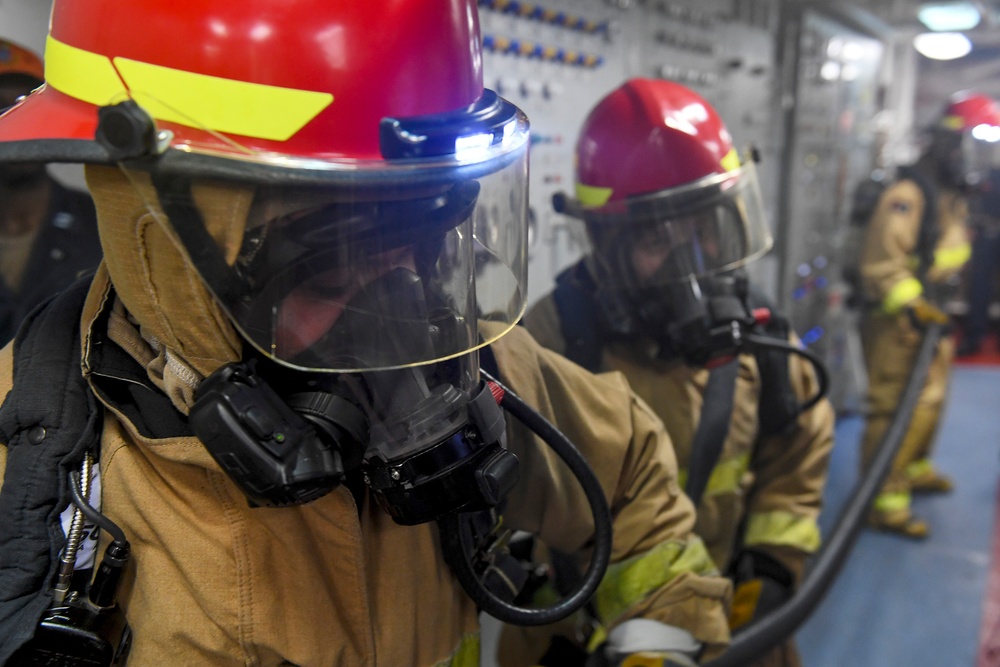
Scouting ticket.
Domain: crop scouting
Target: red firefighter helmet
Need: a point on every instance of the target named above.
(306, 78)
(655, 165)
(965, 144)
(966, 111)
(633, 141)
(362, 129)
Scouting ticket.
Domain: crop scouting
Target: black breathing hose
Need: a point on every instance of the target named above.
(784, 621)
(117, 534)
(564, 448)
(822, 376)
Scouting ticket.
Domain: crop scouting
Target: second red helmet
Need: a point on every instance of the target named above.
(649, 135)
(656, 164)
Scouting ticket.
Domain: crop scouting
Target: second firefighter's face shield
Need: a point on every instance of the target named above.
(964, 157)
(707, 227)
(980, 152)
(352, 265)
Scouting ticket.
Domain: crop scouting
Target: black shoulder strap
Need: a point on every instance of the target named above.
(47, 421)
(779, 406)
(578, 316)
(713, 425)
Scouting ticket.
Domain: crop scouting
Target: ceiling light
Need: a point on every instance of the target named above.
(949, 17)
(942, 45)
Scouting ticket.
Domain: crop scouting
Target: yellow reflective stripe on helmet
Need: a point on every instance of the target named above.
(196, 100)
(731, 161)
(221, 105)
(919, 468)
(902, 293)
(725, 477)
(592, 196)
(89, 77)
(630, 581)
(952, 122)
(466, 655)
(952, 258)
(893, 502)
(784, 529)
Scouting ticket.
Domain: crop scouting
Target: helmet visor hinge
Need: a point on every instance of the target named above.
(128, 132)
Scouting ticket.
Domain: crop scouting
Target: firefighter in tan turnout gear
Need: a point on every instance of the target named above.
(915, 245)
(298, 446)
(672, 213)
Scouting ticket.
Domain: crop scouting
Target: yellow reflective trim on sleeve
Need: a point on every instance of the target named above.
(892, 502)
(599, 636)
(919, 468)
(632, 580)
(902, 293)
(89, 77)
(731, 160)
(196, 100)
(466, 655)
(952, 258)
(782, 529)
(591, 196)
(725, 477)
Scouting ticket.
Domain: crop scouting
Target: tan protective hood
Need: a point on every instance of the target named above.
(187, 334)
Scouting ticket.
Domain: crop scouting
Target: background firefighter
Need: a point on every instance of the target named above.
(913, 251)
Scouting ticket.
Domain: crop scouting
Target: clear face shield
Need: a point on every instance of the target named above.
(711, 226)
(668, 265)
(347, 278)
(979, 153)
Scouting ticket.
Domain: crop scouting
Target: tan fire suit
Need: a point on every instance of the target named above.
(764, 492)
(214, 582)
(888, 270)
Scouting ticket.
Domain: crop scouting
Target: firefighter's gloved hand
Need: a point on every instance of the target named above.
(761, 585)
(923, 312)
(641, 642)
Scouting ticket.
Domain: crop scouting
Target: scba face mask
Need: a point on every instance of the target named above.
(428, 440)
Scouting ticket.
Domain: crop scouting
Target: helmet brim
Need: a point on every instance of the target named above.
(48, 126)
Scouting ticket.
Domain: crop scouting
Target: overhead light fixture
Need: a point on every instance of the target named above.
(949, 16)
(942, 45)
